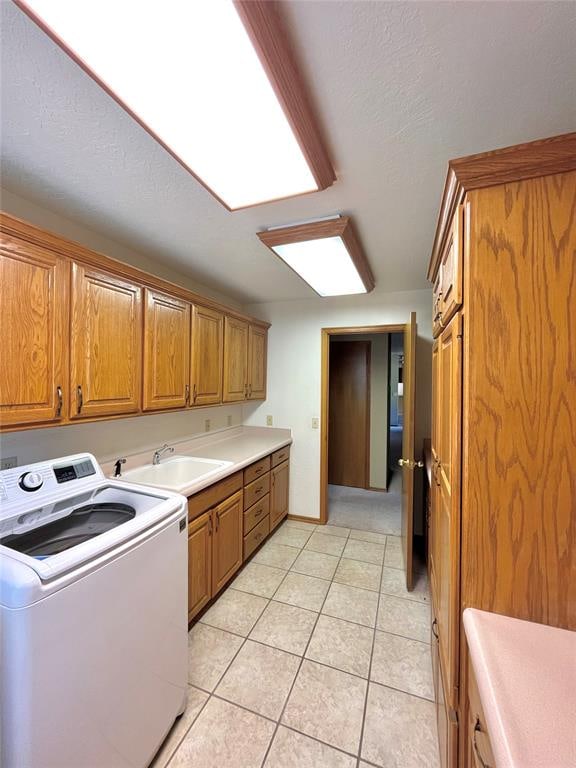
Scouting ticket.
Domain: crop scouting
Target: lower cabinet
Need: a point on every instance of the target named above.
(229, 520)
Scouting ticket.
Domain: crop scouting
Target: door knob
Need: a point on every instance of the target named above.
(410, 463)
(401, 462)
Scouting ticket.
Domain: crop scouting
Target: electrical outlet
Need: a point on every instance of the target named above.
(207, 425)
(9, 462)
(269, 421)
(315, 423)
(229, 420)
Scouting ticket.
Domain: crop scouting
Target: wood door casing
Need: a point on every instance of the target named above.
(199, 563)
(166, 351)
(257, 362)
(409, 398)
(279, 492)
(106, 344)
(349, 414)
(207, 356)
(235, 360)
(227, 540)
(34, 310)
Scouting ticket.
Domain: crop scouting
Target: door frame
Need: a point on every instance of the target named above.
(326, 333)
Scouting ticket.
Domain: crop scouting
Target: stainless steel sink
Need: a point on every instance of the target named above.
(176, 472)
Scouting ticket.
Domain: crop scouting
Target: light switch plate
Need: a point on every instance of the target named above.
(269, 421)
(315, 423)
(229, 421)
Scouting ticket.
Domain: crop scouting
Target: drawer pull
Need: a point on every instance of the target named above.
(478, 728)
(260, 469)
(257, 538)
(257, 514)
(259, 489)
(281, 456)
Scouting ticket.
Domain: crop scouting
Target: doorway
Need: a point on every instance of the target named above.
(347, 497)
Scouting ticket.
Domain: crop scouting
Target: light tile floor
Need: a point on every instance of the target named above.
(315, 656)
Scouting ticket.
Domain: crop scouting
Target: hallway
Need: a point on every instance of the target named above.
(364, 510)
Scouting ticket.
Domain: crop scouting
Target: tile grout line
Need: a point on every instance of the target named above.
(279, 722)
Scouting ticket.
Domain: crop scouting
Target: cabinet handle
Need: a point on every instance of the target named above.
(210, 526)
(217, 521)
(187, 394)
(249, 390)
(434, 631)
(257, 514)
(477, 729)
(80, 397)
(194, 394)
(259, 489)
(58, 401)
(245, 391)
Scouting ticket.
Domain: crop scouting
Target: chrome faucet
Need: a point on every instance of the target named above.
(160, 452)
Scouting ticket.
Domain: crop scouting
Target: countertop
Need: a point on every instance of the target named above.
(240, 445)
(526, 675)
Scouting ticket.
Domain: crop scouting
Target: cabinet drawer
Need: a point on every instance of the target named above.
(213, 495)
(254, 471)
(256, 537)
(256, 490)
(281, 455)
(256, 513)
(480, 748)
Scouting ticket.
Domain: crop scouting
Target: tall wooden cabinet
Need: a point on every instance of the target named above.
(502, 534)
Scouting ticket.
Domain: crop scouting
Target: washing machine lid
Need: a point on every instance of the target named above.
(69, 522)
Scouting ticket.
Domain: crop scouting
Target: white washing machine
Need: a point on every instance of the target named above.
(94, 624)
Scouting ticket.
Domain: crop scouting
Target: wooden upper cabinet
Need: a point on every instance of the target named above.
(34, 323)
(235, 359)
(106, 344)
(166, 352)
(227, 519)
(257, 338)
(451, 269)
(207, 356)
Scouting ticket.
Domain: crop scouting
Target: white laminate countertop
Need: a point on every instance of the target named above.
(526, 675)
(240, 445)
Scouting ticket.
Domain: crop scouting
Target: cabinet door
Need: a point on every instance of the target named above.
(166, 352)
(199, 563)
(227, 549)
(447, 506)
(433, 552)
(106, 345)
(235, 360)
(451, 270)
(257, 338)
(279, 493)
(207, 356)
(437, 303)
(34, 323)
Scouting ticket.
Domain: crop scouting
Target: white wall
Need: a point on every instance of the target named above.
(294, 373)
(378, 472)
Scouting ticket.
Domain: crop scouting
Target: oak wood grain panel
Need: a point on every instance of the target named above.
(207, 356)
(553, 155)
(235, 360)
(228, 540)
(257, 512)
(283, 454)
(256, 470)
(23, 230)
(257, 359)
(166, 351)
(34, 306)
(199, 564)
(519, 498)
(213, 495)
(256, 490)
(279, 493)
(256, 536)
(451, 270)
(106, 344)
(263, 22)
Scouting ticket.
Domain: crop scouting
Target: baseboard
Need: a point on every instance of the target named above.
(302, 519)
(375, 488)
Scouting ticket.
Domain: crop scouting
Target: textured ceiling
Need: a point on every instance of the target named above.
(400, 88)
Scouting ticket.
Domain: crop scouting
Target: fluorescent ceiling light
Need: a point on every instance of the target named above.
(189, 72)
(325, 253)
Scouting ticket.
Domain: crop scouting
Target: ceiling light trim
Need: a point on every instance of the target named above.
(340, 226)
(264, 28)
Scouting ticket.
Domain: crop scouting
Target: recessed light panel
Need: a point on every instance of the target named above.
(188, 71)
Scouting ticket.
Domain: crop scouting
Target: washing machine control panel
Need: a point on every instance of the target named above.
(73, 471)
(31, 481)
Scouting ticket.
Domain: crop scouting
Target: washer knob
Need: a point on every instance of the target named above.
(31, 481)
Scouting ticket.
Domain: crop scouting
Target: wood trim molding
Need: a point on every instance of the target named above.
(262, 20)
(317, 230)
(324, 399)
(544, 157)
(14, 227)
